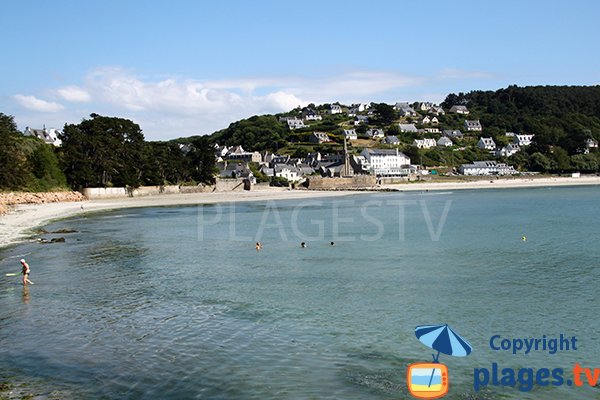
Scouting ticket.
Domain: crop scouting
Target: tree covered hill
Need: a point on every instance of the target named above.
(563, 116)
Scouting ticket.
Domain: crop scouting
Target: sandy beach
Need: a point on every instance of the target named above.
(19, 223)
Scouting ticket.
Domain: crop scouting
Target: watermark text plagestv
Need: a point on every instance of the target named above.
(332, 223)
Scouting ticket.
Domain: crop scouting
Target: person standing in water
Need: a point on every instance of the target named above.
(26, 272)
(258, 246)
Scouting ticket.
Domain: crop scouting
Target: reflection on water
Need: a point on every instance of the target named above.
(25, 294)
(134, 305)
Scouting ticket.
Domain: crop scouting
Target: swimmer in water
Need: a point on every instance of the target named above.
(258, 246)
(303, 245)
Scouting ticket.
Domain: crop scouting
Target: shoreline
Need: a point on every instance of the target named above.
(494, 183)
(18, 225)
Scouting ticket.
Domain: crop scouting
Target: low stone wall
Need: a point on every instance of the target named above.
(229, 185)
(104, 193)
(14, 198)
(354, 182)
(221, 185)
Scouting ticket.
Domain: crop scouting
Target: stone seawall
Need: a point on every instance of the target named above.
(354, 182)
(14, 198)
(221, 185)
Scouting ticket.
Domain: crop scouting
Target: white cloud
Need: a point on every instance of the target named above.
(74, 94)
(35, 104)
(171, 107)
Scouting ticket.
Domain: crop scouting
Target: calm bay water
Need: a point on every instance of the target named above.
(174, 302)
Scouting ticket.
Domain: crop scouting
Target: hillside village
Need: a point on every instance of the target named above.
(375, 150)
(507, 132)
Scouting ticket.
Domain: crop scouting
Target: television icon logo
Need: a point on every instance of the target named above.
(427, 380)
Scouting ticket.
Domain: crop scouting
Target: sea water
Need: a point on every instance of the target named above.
(175, 302)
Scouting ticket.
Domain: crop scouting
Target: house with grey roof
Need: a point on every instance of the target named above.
(350, 134)
(311, 115)
(452, 133)
(405, 110)
(486, 144)
(486, 168)
(424, 143)
(391, 140)
(49, 136)
(335, 109)
(319, 137)
(523, 140)
(295, 123)
(387, 162)
(444, 142)
(407, 128)
(508, 150)
(437, 110)
(375, 133)
(457, 109)
(473, 125)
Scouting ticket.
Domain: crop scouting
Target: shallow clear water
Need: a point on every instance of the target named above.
(174, 302)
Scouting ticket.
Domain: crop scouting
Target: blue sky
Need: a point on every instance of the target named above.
(180, 68)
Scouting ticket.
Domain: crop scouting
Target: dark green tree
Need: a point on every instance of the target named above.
(540, 163)
(14, 170)
(103, 151)
(46, 169)
(385, 113)
(202, 160)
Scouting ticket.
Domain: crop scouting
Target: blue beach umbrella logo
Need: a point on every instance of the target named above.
(431, 380)
(444, 340)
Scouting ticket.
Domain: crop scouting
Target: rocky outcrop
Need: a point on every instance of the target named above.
(14, 198)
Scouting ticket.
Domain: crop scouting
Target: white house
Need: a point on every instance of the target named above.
(319, 137)
(386, 162)
(508, 150)
(356, 108)
(375, 133)
(311, 115)
(429, 120)
(487, 168)
(523, 140)
(486, 143)
(295, 123)
(50, 136)
(425, 106)
(437, 110)
(424, 143)
(444, 142)
(591, 143)
(350, 134)
(238, 153)
(391, 140)
(432, 130)
(459, 110)
(361, 119)
(335, 109)
(286, 171)
(472, 125)
(405, 110)
(407, 128)
(456, 134)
